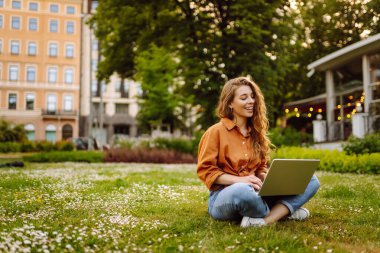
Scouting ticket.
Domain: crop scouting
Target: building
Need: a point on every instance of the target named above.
(351, 104)
(40, 48)
(107, 110)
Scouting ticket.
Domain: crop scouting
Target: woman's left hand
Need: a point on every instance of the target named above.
(262, 176)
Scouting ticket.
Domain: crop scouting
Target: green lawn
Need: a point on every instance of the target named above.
(162, 208)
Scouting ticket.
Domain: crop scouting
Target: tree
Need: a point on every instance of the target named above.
(156, 70)
(11, 133)
(213, 40)
(272, 41)
(324, 27)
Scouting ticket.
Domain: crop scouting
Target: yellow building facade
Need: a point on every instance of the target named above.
(40, 59)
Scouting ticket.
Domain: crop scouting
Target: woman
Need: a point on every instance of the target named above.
(232, 161)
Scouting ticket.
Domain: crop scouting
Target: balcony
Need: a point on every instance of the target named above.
(59, 114)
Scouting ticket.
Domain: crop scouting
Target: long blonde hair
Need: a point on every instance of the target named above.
(258, 123)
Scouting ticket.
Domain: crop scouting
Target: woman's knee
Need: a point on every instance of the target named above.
(244, 193)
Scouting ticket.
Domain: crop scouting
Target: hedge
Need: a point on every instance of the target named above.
(66, 156)
(35, 146)
(334, 161)
(139, 155)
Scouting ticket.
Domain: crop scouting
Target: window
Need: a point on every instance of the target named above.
(126, 87)
(54, 8)
(30, 132)
(13, 73)
(1, 21)
(29, 101)
(52, 75)
(33, 24)
(117, 85)
(69, 76)
(51, 133)
(53, 26)
(70, 10)
(69, 51)
(94, 5)
(16, 24)
(1, 3)
(53, 49)
(33, 6)
(70, 27)
(94, 65)
(121, 108)
(32, 48)
(51, 103)
(12, 101)
(94, 88)
(15, 47)
(31, 74)
(95, 45)
(16, 4)
(1, 46)
(68, 103)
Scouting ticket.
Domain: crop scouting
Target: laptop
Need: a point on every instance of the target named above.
(288, 176)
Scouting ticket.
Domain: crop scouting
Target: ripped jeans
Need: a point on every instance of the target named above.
(240, 199)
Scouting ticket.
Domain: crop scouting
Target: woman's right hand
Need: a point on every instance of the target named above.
(252, 180)
(227, 179)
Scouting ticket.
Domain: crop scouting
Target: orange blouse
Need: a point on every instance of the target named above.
(224, 149)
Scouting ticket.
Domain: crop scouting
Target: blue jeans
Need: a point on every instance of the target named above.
(240, 199)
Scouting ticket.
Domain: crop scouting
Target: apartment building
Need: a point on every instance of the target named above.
(108, 110)
(40, 49)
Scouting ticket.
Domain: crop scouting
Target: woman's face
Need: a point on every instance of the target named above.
(243, 102)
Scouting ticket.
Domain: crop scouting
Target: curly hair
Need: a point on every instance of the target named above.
(258, 123)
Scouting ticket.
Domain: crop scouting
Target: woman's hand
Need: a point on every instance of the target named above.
(262, 176)
(252, 180)
(227, 179)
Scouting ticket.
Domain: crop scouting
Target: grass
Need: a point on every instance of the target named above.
(70, 207)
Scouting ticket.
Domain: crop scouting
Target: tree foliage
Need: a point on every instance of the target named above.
(271, 41)
(156, 70)
(11, 133)
(324, 26)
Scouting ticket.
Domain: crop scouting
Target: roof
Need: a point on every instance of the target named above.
(321, 98)
(346, 54)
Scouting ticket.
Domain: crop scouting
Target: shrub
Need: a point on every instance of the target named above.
(154, 155)
(334, 161)
(369, 144)
(125, 144)
(66, 156)
(65, 146)
(28, 146)
(177, 144)
(10, 147)
(45, 146)
(289, 137)
(10, 133)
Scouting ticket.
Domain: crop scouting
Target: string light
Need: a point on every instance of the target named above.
(296, 109)
(339, 118)
(339, 106)
(319, 110)
(348, 116)
(311, 109)
(286, 110)
(297, 115)
(309, 115)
